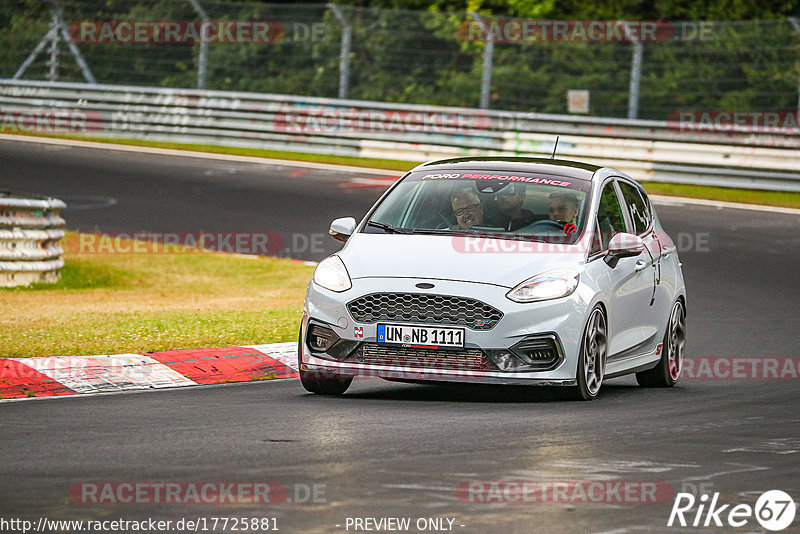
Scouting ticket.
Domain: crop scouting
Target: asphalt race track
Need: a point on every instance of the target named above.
(132, 192)
(396, 450)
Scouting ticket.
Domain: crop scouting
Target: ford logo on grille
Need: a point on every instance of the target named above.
(425, 285)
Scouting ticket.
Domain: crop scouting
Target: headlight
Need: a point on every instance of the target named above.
(332, 274)
(546, 286)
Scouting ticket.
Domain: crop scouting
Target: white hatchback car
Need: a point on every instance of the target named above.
(502, 271)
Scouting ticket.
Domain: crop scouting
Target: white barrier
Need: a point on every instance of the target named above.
(646, 149)
(30, 235)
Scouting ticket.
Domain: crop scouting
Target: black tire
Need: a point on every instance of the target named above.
(666, 373)
(321, 383)
(591, 358)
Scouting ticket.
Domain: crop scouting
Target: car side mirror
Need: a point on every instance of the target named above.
(623, 245)
(342, 228)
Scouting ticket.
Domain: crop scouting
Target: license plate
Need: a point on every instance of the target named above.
(435, 336)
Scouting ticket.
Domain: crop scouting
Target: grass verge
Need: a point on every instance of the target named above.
(117, 303)
(728, 194)
(784, 199)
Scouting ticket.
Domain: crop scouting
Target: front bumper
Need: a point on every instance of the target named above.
(561, 318)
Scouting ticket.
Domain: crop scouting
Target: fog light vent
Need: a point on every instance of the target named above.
(541, 352)
(504, 360)
(320, 339)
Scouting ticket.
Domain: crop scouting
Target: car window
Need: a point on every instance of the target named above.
(597, 245)
(637, 208)
(526, 205)
(610, 220)
(398, 211)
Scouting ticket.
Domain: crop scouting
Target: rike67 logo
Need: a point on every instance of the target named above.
(774, 510)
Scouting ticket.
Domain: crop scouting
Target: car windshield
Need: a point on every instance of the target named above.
(541, 207)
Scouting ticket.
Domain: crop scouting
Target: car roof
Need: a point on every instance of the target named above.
(568, 169)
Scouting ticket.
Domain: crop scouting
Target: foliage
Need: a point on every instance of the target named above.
(415, 51)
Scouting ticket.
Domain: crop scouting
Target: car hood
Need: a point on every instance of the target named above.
(484, 260)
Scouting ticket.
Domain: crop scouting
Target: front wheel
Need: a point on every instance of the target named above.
(321, 382)
(591, 357)
(665, 374)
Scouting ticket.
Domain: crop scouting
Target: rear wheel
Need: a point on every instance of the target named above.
(666, 373)
(591, 357)
(321, 382)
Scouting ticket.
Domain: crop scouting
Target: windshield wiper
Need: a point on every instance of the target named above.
(388, 228)
(432, 231)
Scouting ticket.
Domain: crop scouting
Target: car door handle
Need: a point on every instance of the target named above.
(640, 265)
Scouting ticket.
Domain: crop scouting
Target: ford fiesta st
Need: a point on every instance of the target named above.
(495, 270)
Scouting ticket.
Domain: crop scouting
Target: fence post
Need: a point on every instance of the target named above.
(636, 77)
(636, 73)
(344, 50)
(76, 53)
(52, 62)
(57, 29)
(796, 25)
(202, 57)
(488, 57)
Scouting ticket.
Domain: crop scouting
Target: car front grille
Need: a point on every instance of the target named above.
(424, 308)
(419, 358)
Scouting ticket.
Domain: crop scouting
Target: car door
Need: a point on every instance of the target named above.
(631, 281)
(643, 334)
(664, 254)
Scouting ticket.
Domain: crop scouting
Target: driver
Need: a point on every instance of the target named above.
(563, 206)
(510, 214)
(467, 209)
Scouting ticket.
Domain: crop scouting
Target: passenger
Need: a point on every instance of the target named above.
(563, 206)
(467, 209)
(510, 215)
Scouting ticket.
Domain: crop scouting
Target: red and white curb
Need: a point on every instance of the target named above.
(74, 375)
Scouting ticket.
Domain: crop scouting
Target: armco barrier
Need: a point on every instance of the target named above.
(30, 234)
(646, 149)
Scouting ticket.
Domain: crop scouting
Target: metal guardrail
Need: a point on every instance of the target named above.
(31, 229)
(646, 149)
